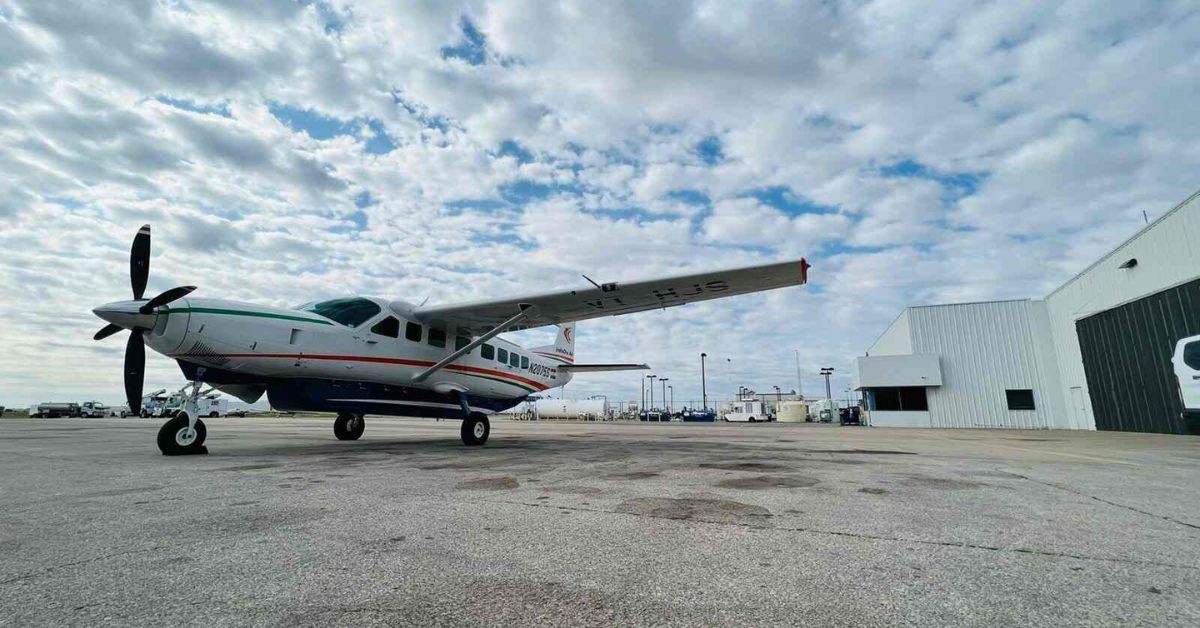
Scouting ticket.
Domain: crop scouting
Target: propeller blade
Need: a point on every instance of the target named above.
(106, 331)
(165, 298)
(135, 370)
(139, 261)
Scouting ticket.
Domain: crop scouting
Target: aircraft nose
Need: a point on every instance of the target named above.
(124, 314)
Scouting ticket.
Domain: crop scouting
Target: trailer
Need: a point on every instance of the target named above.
(54, 410)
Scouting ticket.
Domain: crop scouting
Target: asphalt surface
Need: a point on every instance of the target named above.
(594, 523)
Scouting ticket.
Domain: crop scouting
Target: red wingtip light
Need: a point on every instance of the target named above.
(804, 266)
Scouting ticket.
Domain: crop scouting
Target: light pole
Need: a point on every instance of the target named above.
(826, 372)
(703, 388)
(671, 405)
(651, 378)
(664, 381)
(642, 406)
(799, 380)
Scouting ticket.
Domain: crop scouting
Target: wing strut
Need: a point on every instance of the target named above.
(526, 311)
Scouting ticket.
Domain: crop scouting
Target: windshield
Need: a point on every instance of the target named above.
(351, 312)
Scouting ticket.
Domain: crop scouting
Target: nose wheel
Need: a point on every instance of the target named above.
(475, 430)
(177, 438)
(349, 426)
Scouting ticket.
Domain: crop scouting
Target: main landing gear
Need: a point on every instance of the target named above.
(475, 429)
(349, 426)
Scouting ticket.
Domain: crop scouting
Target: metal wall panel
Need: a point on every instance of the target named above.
(1127, 360)
(1168, 254)
(986, 348)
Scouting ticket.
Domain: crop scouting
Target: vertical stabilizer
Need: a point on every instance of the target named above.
(563, 349)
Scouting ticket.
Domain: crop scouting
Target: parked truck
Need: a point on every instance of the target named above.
(93, 410)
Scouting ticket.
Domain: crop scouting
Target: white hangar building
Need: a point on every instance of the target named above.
(1093, 354)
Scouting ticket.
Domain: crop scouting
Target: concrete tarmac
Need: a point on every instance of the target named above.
(596, 524)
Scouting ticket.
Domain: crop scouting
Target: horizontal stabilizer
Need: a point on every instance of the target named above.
(596, 368)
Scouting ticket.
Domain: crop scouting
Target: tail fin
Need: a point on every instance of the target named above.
(563, 349)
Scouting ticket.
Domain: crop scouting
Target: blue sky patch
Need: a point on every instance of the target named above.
(782, 198)
(958, 183)
(322, 127)
(509, 148)
(187, 105)
(472, 49)
(710, 151)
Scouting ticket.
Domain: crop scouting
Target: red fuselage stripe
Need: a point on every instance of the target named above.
(555, 356)
(401, 361)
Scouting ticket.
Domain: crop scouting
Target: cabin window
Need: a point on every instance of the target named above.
(460, 342)
(514, 360)
(502, 356)
(524, 362)
(487, 352)
(412, 331)
(351, 312)
(389, 327)
(437, 337)
(1019, 399)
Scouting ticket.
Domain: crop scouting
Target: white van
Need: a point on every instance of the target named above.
(749, 411)
(1186, 361)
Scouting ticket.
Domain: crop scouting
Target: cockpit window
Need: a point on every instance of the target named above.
(351, 311)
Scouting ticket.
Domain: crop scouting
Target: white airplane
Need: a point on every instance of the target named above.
(364, 355)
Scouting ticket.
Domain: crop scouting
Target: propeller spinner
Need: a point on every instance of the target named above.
(138, 316)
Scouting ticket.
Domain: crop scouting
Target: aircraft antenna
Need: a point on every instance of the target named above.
(592, 282)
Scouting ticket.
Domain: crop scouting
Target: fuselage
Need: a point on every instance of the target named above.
(359, 354)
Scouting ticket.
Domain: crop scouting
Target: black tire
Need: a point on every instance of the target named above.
(213, 415)
(752, 419)
(349, 426)
(475, 430)
(171, 439)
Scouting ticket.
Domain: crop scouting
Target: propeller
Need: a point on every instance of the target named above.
(134, 316)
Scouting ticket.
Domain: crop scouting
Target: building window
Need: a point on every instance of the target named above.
(460, 342)
(389, 327)
(502, 356)
(900, 399)
(487, 352)
(412, 331)
(524, 362)
(1191, 355)
(437, 337)
(1019, 399)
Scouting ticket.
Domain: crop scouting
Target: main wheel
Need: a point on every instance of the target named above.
(175, 439)
(475, 430)
(349, 426)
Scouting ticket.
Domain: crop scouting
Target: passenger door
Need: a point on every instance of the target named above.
(1187, 370)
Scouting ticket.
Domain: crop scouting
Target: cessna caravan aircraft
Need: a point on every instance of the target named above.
(363, 355)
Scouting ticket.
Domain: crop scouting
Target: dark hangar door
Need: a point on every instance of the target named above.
(1127, 359)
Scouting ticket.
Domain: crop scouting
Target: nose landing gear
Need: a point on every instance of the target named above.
(349, 426)
(184, 434)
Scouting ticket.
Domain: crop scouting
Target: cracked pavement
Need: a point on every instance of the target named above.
(596, 523)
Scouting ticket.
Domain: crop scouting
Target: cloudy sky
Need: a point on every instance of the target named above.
(916, 152)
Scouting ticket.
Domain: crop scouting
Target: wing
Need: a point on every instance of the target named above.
(614, 299)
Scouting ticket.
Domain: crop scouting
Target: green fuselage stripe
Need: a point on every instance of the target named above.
(215, 310)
